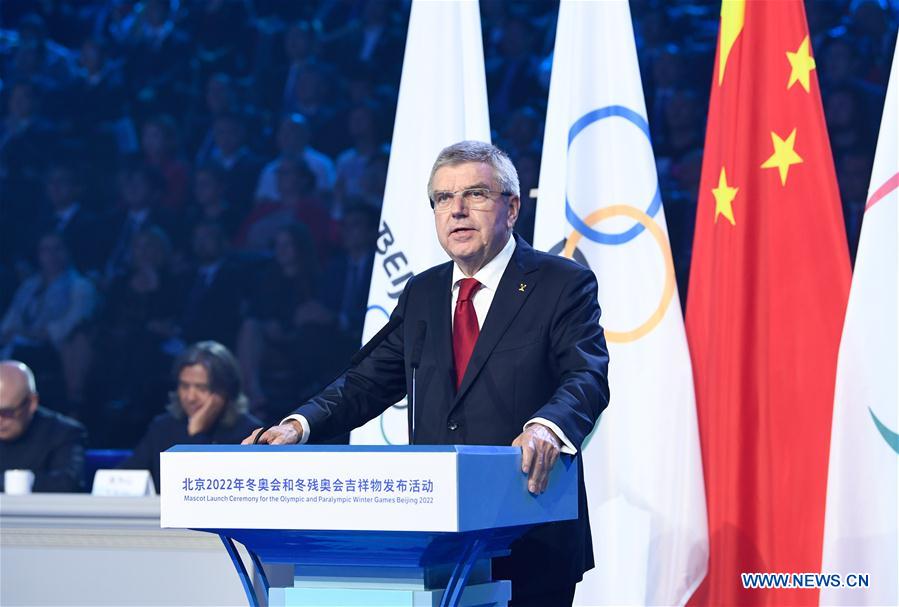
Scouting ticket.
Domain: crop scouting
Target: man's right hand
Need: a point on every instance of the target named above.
(289, 433)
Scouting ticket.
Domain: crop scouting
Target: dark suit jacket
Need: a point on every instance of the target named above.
(81, 235)
(540, 353)
(166, 431)
(53, 448)
(213, 310)
(349, 303)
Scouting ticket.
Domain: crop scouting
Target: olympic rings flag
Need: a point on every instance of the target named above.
(860, 519)
(599, 202)
(442, 100)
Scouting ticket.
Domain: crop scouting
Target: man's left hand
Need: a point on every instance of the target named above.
(540, 449)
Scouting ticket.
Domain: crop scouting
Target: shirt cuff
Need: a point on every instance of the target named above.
(567, 446)
(303, 424)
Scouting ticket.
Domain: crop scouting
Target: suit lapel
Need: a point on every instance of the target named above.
(440, 322)
(516, 285)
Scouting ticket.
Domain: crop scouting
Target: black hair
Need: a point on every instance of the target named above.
(223, 373)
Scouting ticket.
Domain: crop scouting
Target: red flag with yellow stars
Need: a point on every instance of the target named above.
(768, 288)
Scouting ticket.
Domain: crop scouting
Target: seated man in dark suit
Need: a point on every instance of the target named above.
(37, 439)
(67, 215)
(214, 295)
(513, 354)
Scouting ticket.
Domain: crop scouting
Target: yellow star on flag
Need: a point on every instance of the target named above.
(724, 198)
(801, 64)
(784, 155)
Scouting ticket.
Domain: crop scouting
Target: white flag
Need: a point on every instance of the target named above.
(599, 202)
(860, 522)
(442, 100)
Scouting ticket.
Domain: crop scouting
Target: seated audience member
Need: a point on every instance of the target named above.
(349, 273)
(211, 201)
(141, 188)
(367, 138)
(281, 342)
(42, 323)
(238, 162)
(70, 218)
(298, 202)
(221, 98)
(283, 288)
(207, 407)
(159, 141)
(300, 46)
(293, 143)
(313, 97)
(37, 439)
(214, 294)
(25, 137)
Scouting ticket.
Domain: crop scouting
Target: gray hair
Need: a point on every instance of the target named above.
(224, 378)
(478, 151)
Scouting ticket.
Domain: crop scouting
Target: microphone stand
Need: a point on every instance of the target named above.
(415, 361)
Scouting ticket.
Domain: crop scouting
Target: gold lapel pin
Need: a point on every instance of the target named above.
(522, 287)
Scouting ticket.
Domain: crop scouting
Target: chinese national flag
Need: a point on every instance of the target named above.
(768, 288)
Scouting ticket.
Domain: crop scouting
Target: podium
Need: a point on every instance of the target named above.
(365, 525)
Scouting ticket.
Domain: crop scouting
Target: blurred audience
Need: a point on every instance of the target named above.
(367, 144)
(233, 155)
(214, 290)
(293, 144)
(211, 201)
(140, 188)
(136, 329)
(71, 218)
(294, 305)
(160, 148)
(348, 275)
(297, 202)
(46, 322)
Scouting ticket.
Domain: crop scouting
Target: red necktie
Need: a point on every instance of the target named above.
(465, 327)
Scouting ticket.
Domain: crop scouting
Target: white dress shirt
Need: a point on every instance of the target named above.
(489, 277)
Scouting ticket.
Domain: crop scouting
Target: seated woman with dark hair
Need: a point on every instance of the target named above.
(208, 407)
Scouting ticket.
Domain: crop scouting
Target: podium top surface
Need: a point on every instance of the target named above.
(393, 488)
(464, 449)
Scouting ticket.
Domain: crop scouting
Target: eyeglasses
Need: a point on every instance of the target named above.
(11, 412)
(478, 199)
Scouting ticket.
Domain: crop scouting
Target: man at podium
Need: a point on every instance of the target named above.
(508, 349)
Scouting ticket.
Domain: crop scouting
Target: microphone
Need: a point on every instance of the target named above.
(421, 330)
(395, 320)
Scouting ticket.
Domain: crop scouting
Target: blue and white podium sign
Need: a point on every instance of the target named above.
(365, 525)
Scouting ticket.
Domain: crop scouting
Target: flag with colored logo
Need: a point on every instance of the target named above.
(860, 531)
(768, 287)
(599, 203)
(442, 100)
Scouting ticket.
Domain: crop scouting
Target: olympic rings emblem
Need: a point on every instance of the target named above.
(654, 205)
(661, 239)
(644, 221)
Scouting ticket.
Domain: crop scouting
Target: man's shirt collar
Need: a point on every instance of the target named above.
(492, 272)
